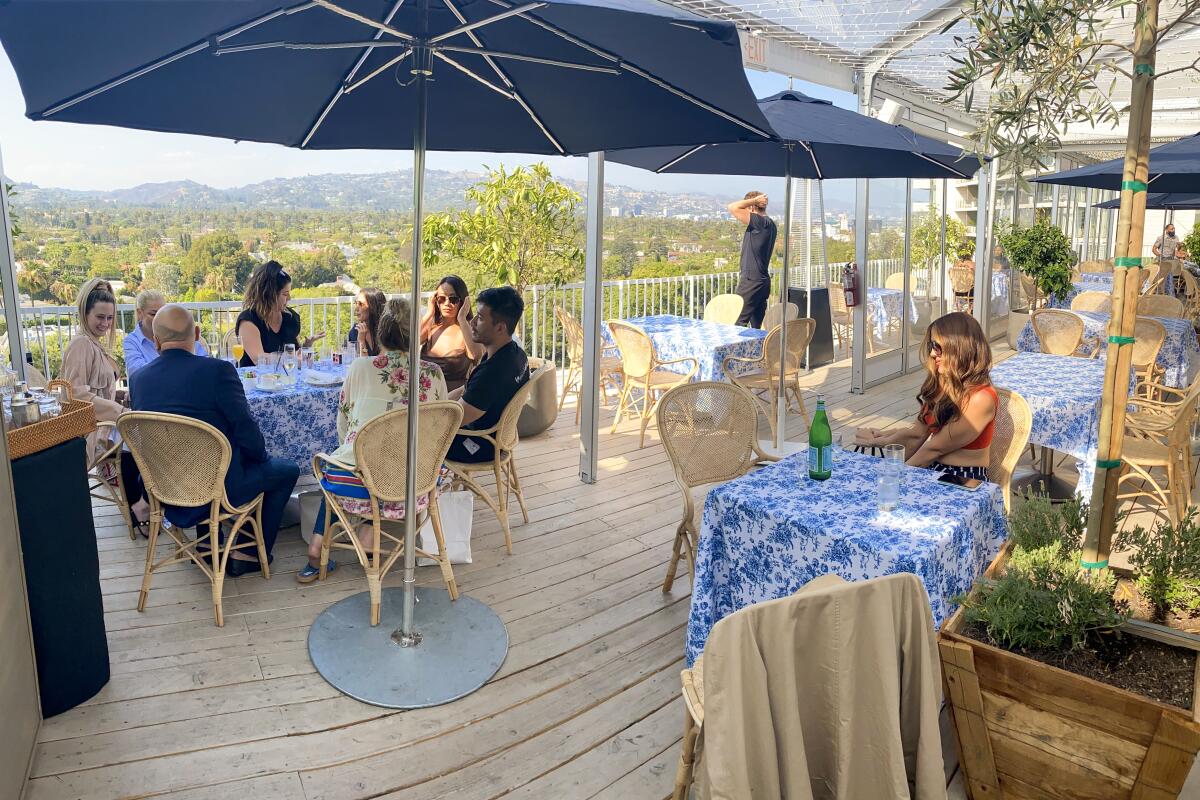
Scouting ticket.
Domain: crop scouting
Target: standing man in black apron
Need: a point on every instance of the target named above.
(758, 243)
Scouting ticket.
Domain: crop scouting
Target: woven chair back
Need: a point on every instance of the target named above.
(799, 334)
(506, 428)
(1092, 301)
(962, 279)
(837, 298)
(894, 281)
(1171, 266)
(1151, 274)
(183, 461)
(1191, 290)
(1060, 332)
(709, 430)
(573, 333)
(1028, 288)
(637, 350)
(1009, 438)
(724, 309)
(1148, 338)
(381, 448)
(1159, 305)
(774, 315)
(1096, 265)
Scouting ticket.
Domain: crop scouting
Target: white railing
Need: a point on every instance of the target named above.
(46, 330)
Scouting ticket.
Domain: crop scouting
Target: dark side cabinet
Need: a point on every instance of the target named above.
(62, 574)
(820, 350)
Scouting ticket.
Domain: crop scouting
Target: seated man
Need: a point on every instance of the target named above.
(139, 347)
(209, 389)
(503, 370)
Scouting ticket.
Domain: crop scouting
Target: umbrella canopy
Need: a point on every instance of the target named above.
(1169, 201)
(1174, 167)
(829, 142)
(553, 77)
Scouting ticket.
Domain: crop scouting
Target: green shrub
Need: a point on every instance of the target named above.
(1035, 523)
(1167, 560)
(1042, 252)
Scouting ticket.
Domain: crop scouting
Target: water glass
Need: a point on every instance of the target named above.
(889, 476)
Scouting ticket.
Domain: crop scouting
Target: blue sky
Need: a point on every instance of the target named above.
(96, 157)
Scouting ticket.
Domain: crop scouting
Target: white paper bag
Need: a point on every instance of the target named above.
(456, 511)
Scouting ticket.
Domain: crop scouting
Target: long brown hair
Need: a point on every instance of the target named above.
(375, 300)
(262, 290)
(967, 358)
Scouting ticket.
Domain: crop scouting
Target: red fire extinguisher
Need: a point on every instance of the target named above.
(850, 284)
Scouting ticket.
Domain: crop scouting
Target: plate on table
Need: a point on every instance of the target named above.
(319, 378)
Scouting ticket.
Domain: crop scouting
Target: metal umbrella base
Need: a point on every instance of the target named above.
(463, 643)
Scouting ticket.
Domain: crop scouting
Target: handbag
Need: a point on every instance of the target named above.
(457, 510)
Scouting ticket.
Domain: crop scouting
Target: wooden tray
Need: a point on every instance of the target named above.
(78, 418)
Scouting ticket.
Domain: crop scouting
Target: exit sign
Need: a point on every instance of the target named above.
(754, 50)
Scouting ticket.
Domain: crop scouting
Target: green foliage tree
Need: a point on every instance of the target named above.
(185, 241)
(1042, 252)
(1191, 242)
(382, 265)
(524, 228)
(624, 255)
(13, 224)
(926, 247)
(218, 252)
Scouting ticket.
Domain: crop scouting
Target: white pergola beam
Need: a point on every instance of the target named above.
(931, 22)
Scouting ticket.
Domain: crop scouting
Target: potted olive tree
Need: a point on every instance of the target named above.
(1041, 258)
(524, 230)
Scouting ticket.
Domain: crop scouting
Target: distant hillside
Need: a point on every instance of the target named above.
(386, 191)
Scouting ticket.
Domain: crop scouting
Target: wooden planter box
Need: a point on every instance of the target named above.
(1029, 730)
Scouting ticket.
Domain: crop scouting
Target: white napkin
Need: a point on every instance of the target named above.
(319, 378)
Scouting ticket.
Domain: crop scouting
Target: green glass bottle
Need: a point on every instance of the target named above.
(820, 444)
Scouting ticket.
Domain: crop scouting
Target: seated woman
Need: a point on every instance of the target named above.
(92, 371)
(444, 337)
(267, 324)
(372, 387)
(368, 306)
(953, 429)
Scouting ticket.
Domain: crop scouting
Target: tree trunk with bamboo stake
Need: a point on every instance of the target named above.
(1130, 232)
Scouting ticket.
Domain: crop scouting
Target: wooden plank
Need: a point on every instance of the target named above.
(966, 706)
(1168, 760)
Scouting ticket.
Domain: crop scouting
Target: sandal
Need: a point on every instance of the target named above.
(311, 573)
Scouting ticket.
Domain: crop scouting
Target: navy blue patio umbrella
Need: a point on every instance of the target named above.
(1174, 167)
(1162, 201)
(558, 77)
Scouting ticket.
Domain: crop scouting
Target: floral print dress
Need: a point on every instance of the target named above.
(374, 385)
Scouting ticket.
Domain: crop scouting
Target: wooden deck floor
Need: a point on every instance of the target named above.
(586, 705)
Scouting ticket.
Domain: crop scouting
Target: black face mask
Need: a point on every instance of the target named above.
(1170, 235)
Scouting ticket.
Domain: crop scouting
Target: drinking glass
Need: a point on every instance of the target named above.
(238, 350)
(889, 476)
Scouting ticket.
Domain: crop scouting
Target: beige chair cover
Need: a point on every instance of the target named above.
(830, 693)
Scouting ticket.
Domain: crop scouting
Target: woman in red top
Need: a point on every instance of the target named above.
(953, 430)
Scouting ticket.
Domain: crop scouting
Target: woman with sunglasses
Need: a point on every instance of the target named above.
(953, 429)
(267, 324)
(444, 337)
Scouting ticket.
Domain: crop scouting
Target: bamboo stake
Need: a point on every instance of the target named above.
(1130, 232)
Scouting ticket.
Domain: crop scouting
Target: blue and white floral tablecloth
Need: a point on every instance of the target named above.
(1096, 282)
(1175, 357)
(1063, 393)
(885, 307)
(768, 533)
(298, 421)
(710, 343)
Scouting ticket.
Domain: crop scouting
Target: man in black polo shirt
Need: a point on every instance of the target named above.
(758, 243)
(500, 374)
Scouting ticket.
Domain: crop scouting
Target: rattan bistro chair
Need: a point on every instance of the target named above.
(760, 376)
(609, 371)
(710, 432)
(379, 451)
(843, 318)
(1100, 302)
(1191, 295)
(1148, 338)
(503, 466)
(1096, 266)
(1152, 279)
(1010, 436)
(1159, 305)
(774, 315)
(104, 465)
(644, 373)
(1159, 437)
(183, 462)
(724, 309)
(1060, 332)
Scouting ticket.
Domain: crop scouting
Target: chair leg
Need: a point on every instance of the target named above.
(155, 527)
(622, 405)
(502, 510)
(687, 756)
(435, 516)
(648, 409)
(566, 390)
(676, 553)
(515, 480)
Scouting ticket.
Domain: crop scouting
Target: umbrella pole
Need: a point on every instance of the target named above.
(406, 635)
(1130, 231)
(781, 396)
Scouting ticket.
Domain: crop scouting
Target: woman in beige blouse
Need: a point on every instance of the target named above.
(90, 367)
